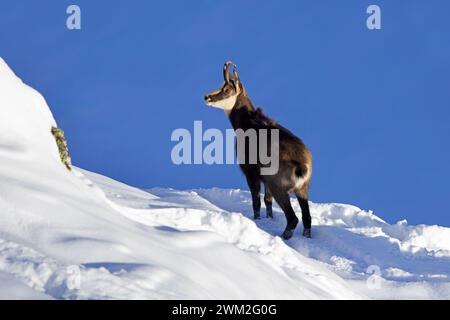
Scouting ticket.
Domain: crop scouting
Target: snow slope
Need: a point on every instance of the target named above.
(79, 235)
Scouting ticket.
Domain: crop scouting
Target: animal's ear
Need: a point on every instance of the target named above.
(226, 71)
(236, 80)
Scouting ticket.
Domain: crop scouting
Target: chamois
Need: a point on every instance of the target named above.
(295, 160)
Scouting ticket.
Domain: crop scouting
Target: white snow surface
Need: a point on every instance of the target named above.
(80, 235)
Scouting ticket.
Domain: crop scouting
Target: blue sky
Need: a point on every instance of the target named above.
(373, 106)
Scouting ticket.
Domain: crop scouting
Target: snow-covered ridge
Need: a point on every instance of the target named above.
(80, 235)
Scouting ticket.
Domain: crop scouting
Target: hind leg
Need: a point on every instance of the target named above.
(284, 201)
(302, 197)
(306, 216)
(268, 201)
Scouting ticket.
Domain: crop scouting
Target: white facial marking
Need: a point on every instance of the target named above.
(226, 104)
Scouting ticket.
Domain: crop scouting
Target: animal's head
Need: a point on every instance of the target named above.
(225, 97)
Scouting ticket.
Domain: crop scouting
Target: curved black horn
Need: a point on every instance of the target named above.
(226, 71)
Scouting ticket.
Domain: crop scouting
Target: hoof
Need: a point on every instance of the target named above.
(307, 233)
(287, 234)
(257, 217)
(269, 214)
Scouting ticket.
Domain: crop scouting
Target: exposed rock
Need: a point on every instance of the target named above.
(61, 142)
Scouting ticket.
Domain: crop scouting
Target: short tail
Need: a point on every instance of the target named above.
(303, 172)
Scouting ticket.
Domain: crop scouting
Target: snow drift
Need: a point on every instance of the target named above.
(79, 235)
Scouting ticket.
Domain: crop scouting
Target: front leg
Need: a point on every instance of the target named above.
(254, 183)
(268, 201)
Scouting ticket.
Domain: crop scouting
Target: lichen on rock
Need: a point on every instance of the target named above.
(61, 142)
